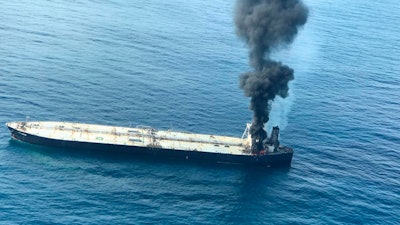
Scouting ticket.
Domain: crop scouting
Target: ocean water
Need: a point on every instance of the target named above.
(175, 64)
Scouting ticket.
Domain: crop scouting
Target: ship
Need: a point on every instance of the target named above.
(145, 140)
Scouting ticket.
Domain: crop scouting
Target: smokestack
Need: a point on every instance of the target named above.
(274, 139)
(266, 25)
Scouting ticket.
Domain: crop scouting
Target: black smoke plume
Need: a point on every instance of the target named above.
(265, 25)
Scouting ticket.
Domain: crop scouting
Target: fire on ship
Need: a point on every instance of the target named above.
(261, 142)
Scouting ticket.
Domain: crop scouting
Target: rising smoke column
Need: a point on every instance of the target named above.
(266, 25)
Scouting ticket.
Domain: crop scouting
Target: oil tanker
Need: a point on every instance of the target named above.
(144, 140)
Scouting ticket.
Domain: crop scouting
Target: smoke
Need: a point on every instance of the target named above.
(266, 25)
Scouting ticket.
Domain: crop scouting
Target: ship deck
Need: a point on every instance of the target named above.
(140, 136)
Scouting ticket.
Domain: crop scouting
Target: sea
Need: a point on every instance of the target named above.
(175, 65)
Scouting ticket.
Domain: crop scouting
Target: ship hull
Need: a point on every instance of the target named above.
(268, 160)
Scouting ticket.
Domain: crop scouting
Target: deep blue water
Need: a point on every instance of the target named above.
(175, 64)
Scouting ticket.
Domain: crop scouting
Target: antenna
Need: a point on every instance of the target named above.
(246, 131)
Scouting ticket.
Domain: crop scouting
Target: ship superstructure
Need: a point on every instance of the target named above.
(147, 140)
